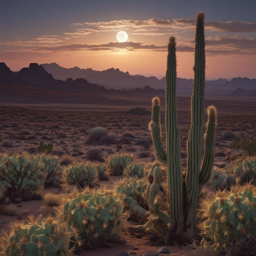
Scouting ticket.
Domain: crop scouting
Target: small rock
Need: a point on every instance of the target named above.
(163, 250)
(151, 253)
(136, 124)
(123, 254)
(132, 253)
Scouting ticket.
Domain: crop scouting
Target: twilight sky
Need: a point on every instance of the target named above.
(83, 33)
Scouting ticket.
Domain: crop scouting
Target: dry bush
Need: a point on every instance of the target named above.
(52, 199)
(9, 210)
(66, 160)
(94, 155)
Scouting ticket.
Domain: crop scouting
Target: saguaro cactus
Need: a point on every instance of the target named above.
(183, 193)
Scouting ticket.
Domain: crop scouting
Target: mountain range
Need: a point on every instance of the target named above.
(35, 84)
(114, 78)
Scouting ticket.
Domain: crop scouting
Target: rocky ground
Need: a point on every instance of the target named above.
(22, 129)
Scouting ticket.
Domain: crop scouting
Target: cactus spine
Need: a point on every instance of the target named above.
(183, 194)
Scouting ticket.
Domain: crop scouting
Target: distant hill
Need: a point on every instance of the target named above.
(8, 77)
(114, 78)
(239, 92)
(117, 79)
(35, 85)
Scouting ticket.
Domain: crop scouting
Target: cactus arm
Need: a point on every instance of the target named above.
(206, 167)
(49, 148)
(173, 139)
(196, 129)
(155, 128)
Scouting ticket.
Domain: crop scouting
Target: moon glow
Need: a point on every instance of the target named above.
(122, 36)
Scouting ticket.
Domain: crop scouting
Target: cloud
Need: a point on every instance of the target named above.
(229, 26)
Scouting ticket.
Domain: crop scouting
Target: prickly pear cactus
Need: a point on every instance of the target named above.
(134, 170)
(118, 162)
(132, 188)
(231, 215)
(51, 166)
(102, 171)
(21, 175)
(79, 175)
(97, 216)
(44, 237)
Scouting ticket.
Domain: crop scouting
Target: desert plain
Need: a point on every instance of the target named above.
(67, 126)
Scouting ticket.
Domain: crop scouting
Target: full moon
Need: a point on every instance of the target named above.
(122, 36)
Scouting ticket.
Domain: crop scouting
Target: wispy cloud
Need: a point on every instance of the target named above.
(229, 26)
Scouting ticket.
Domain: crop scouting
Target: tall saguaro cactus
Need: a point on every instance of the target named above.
(183, 193)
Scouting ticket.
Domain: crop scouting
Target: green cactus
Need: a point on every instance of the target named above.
(131, 192)
(97, 216)
(247, 167)
(21, 175)
(117, 163)
(182, 198)
(248, 145)
(79, 175)
(95, 134)
(51, 166)
(134, 170)
(102, 171)
(231, 216)
(39, 237)
(45, 148)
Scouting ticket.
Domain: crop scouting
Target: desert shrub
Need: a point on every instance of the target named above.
(9, 210)
(79, 175)
(107, 139)
(51, 166)
(97, 216)
(138, 111)
(228, 135)
(52, 199)
(95, 134)
(38, 237)
(117, 163)
(230, 216)
(66, 160)
(134, 170)
(21, 174)
(94, 155)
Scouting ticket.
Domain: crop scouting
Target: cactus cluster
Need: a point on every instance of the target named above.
(79, 175)
(102, 171)
(51, 166)
(132, 188)
(117, 163)
(21, 175)
(97, 216)
(231, 215)
(134, 170)
(183, 193)
(39, 237)
(45, 148)
(248, 145)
